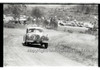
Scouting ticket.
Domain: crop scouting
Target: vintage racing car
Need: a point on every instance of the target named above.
(35, 35)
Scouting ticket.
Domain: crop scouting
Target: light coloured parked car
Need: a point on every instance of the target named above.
(88, 25)
(35, 35)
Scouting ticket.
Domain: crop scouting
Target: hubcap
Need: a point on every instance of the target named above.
(43, 45)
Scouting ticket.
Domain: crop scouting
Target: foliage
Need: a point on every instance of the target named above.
(45, 23)
(36, 12)
(87, 9)
(14, 10)
(42, 14)
(53, 23)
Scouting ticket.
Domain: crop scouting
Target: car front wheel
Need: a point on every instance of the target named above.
(25, 43)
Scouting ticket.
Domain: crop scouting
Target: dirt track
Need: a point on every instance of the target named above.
(15, 54)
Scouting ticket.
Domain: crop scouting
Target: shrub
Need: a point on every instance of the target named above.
(46, 23)
(53, 23)
(70, 31)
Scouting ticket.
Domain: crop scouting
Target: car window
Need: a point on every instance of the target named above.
(34, 30)
(38, 30)
(30, 30)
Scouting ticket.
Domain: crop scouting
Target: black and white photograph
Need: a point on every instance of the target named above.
(47, 34)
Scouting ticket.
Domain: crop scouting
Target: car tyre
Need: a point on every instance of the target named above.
(45, 45)
(25, 43)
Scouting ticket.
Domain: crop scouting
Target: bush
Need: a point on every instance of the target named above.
(92, 31)
(45, 23)
(53, 23)
(11, 25)
(8, 25)
(70, 31)
(81, 32)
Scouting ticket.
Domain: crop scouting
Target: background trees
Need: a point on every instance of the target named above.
(41, 14)
(37, 14)
(15, 10)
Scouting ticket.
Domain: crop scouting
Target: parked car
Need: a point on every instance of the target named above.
(88, 25)
(35, 35)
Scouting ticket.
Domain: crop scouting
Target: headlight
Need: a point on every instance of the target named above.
(44, 38)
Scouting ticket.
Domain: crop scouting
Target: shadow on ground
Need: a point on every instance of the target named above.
(35, 46)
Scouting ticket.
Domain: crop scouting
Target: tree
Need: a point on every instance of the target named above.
(37, 13)
(14, 9)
